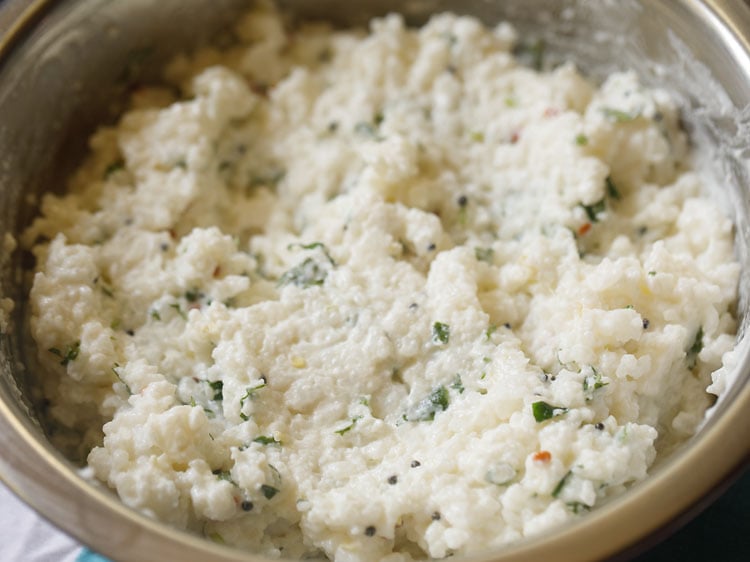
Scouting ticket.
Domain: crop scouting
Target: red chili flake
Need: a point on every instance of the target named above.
(172, 234)
(217, 271)
(584, 228)
(542, 456)
(193, 305)
(551, 112)
(514, 137)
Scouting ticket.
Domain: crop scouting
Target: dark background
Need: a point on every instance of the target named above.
(721, 533)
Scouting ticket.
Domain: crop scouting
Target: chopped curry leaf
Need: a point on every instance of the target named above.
(458, 384)
(268, 491)
(425, 410)
(543, 411)
(484, 254)
(349, 427)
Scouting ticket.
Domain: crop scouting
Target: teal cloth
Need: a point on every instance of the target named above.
(88, 556)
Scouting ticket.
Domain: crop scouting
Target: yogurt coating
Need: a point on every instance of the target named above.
(380, 296)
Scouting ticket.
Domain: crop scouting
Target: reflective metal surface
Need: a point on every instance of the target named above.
(65, 66)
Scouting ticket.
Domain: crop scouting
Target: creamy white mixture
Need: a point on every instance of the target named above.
(381, 296)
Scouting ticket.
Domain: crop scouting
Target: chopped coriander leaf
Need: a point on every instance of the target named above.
(349, 427)
(457, 384)
(193, 295)
(437, 401)
(218, 388)
(116, 366)
(266, 440)
(477, 136)
(441, 333)
(269, 179)
(651, 273)
(217, 538)
(618, 116)
(593, 211)
(155, 314)
(484, 254)
(223, 475)
(70, 354)
(543, 411)
(179, 310)
(325, 55)
(249, 395)
(313, 246)
(268, 491)
(561, 484)
(531, 53)
(306, 274)
(491, 329)
(577, 507)
(593, 381)
(695, 348)
(113, 167)
(612, 190)
(581, 139)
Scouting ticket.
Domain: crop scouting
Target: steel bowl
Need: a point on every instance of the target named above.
(66, 66)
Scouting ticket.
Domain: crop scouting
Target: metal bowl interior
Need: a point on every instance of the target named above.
(66, 66)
